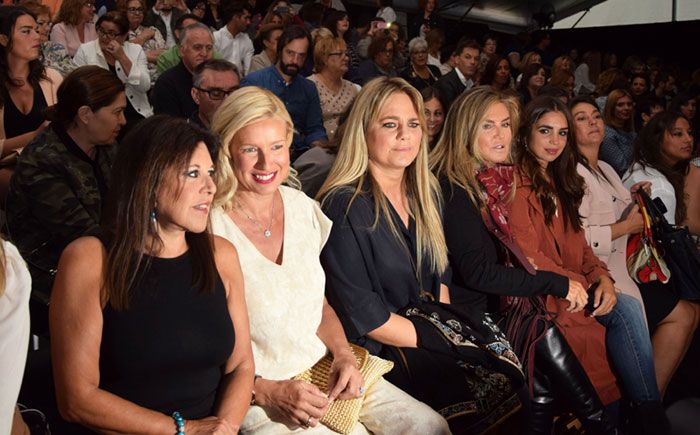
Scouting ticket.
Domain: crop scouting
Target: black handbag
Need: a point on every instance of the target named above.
(678, 250)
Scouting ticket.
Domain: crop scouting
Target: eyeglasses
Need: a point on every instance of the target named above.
(216, 93)
(135, 11)
(338, 53)
(108, 35)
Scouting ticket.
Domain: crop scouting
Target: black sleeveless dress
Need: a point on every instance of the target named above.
(168, 351)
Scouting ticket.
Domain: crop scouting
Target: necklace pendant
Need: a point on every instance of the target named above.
(267, 233)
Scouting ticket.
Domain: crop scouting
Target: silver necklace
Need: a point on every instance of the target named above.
(266, 231)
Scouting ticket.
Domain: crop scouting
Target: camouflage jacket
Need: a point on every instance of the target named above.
(55, 198)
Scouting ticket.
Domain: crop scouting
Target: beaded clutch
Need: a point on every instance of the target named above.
(342, 415)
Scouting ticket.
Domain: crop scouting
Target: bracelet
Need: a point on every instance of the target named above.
(179, 423)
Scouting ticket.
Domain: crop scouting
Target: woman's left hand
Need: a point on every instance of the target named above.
(115, 49)
(605, 297)
(345, 380)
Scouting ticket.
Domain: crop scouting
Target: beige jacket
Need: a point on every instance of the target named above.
(604, 203)
(48, 87)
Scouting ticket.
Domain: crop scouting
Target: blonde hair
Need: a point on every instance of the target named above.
(456, 155)
(422, 190)
(323, 48)
(243, 107)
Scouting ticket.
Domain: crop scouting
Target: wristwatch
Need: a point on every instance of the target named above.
(252, 397)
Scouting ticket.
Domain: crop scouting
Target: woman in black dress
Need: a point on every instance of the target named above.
(149, 325)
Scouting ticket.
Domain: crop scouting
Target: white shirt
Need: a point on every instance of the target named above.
(14, 332)
(169, 37)
(236, 49)
(466, 82)
(136, 84)
(660, 187)
(285, 301)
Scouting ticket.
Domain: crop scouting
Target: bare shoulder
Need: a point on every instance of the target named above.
(225, 255)
(88, 252)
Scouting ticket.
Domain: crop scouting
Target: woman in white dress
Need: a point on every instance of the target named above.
(279, 233)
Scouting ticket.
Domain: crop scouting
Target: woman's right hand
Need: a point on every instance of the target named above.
(210, 425)
(634, 220)
(299, 401)
(577, 296)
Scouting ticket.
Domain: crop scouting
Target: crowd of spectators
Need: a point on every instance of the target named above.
(216, 195)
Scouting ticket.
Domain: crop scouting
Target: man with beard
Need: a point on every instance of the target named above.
(172, 93)
(298, 93)
(163, 16)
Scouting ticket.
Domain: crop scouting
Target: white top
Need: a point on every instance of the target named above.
(660, 187)
(136, 84)
(284, 301)
(169, 36)
(236, 49)
(14, 332)
(387, 13)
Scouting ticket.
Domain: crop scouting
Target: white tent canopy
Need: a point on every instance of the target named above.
(625, 12)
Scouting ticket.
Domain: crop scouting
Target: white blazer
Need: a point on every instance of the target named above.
(137, 83)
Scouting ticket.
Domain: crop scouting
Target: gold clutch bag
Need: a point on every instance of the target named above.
(342, 415)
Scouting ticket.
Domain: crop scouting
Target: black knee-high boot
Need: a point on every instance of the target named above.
(567, 380)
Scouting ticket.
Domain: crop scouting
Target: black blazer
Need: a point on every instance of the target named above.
(450, 87)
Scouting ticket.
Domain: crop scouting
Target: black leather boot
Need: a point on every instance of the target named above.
(554, 357)
(541, 415)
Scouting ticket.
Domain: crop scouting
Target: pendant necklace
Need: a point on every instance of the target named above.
(266, 231)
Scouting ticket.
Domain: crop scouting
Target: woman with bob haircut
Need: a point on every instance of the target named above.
(60, 184)
(617, 148)
(74, 24)
(545, 220)
(386, 262)
(472, 162)
(609, 216)
(155, 284)
(336, 93)
(279, 233)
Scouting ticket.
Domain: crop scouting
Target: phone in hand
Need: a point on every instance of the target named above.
(590, 306)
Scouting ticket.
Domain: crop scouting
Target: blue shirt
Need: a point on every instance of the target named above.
(617, 149)
(300, 97)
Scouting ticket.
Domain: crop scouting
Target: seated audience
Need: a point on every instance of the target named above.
(608, 81)
(298, 93)
(157, 285)
(497, 74)
(687, 105)
(279, 233)
(533, 78)
(529, 58)
(554, 91)
(645, 108)
(336, 94)
(380, 59)
(562, 63)
(197, 7)
(609, 216)
(338, 22)
(53, 54)
(435, 112)
(436, 39)
(426, 20)
(419, 73)
(212, 14)
(27, 89)
(386, 260)
(563, 79)
(172, 93)
(386, 11)
(125, 60)
(149, 38)
(171, 56)
(489, 44)
(213, 80)
(586, 73)
(617, 148)
(15, 286)
(470, 161)
(545, 221)
(232, 41)
(267, 39)
(74, 24)
(461, 78)
(163, 16)
(60, 183)
(662, 154)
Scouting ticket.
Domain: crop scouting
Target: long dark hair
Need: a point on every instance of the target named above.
(151, 150)
(647, 152)
(88, 85)
(330, 22)
(37, 72)
(566, 186)
(490, 70)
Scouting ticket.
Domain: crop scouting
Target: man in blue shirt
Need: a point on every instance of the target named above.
(298, 94)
